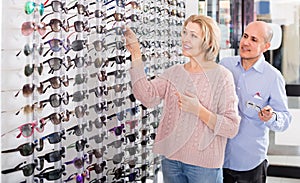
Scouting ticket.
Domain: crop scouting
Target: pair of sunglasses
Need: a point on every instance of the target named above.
(27, 129)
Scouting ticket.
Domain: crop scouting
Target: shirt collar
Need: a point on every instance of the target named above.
(258, 66)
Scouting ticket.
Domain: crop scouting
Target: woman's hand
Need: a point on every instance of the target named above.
(132, 44)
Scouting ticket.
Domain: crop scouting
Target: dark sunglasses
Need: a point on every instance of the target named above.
(30, 108)
(101, 75)
(27, 169)
(98, 138)
(132, 151)
(79, 145)
(79, 62)
(55, 64)
(55, 137)
(30, 49)
(99, 91)
(98, 168)
(24, 149)
(117, 158)
(30, 68)
(116, 143)
(117, 130)
(78, 161)
(57, 6)
(78, 130)
(51, 175)
(56, 99)
(99, 107)
(53, 156)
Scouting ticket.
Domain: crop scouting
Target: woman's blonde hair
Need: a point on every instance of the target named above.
(211, 35)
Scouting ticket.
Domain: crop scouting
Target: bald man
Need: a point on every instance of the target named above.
(262, 106)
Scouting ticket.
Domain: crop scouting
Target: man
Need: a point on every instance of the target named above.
(262, 106)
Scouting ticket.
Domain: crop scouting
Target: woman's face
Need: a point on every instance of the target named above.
(191, 38)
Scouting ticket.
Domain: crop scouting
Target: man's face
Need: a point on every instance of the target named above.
(252, 43)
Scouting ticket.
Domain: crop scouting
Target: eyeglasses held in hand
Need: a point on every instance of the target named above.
(256, 107)
(26, 130)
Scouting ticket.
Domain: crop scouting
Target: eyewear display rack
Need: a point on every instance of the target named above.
(68, 111)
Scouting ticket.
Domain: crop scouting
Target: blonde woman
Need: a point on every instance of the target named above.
(200, 104)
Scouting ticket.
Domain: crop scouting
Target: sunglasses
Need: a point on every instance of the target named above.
(132, 123)
(79, 145)
(99, 121)
(78, 162)
(29, 27)
(116, 143)
(132, 151)
(55, 46)
(80, 78)
(24, 149)
(27, 129)
(58, 117)
(28, 89)
(51, 175)
(79, 96)
(54, 137)
(100, 62)
(97, 152)
(30, 108)
(53, 156)
(117, 158)
(56, 99)
(57, 6)
(117, 130)
(131, 137)
(31, 7)
(81, 110)
(101, 75)
(98, 138)
(78, 130)
(98, 168)
(30, 49)
(30, 68)
(56, 25)
(79, 62)
(55, 64)
(99, 107)
(56, 81)
(79, 177)
(27, 169)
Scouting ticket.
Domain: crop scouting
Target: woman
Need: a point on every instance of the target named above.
(200, 104)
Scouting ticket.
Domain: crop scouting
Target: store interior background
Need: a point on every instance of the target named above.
(284, 147)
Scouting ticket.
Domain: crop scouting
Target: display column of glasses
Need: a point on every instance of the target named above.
(85, 123)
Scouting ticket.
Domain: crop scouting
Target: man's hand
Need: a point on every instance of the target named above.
(266, 113)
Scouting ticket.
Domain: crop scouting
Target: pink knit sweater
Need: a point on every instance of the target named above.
(181, 135)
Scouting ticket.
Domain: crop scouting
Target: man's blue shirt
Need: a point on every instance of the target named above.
(263, 85)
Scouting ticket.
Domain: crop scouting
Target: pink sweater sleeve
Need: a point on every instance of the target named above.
(149, 92)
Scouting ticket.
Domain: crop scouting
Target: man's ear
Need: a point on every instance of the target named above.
(267, 46)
